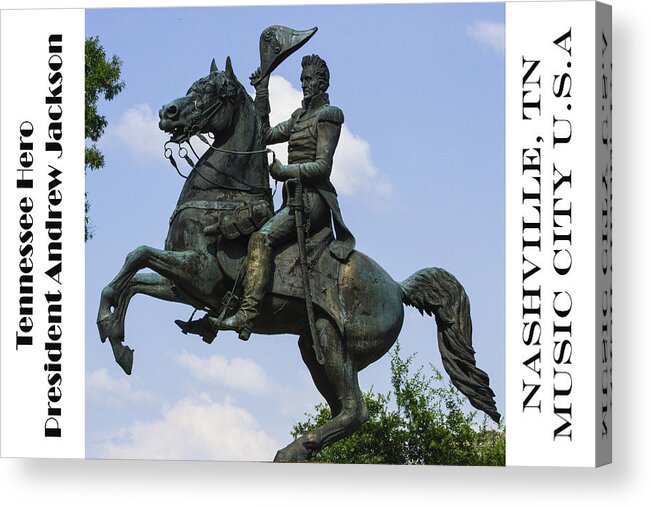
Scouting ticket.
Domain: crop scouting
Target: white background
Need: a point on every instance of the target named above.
(625, 482)
(530, 433)
(26, 407)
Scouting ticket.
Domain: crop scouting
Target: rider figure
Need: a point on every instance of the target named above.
(313, 133)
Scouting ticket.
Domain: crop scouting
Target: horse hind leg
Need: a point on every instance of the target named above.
(318, 373)
(337, 380)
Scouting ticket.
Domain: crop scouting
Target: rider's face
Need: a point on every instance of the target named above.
(310, 84)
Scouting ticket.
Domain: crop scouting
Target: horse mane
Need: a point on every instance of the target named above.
(246, 97)
(246, 93)
(250, 102)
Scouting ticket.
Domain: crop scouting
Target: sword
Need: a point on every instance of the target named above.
(295, 201)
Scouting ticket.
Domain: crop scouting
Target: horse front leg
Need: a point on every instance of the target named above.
(111, 294)
(194, 272)
(152, 285)
(148, 284)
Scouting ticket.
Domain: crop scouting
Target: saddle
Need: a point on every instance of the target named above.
(286, 277)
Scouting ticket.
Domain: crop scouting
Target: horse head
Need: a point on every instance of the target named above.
(210, 105)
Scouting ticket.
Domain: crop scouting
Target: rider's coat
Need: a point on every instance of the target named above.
(313, 133)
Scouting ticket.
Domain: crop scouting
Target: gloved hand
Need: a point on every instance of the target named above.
(262, 85)
(282, 172)
(276, 170)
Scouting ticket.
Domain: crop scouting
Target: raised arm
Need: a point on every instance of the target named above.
(273, 135)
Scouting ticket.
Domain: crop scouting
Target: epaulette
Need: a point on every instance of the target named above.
(331, 114)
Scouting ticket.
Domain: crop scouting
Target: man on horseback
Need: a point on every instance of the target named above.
(313, 133)
(197, 269)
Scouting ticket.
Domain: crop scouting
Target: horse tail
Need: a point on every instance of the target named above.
(435, 291)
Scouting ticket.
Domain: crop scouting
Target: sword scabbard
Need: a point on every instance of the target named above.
(295, 190)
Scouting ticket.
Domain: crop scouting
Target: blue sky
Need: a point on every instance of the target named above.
(419, 170)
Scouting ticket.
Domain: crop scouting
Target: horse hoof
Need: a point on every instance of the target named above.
(292, 454)
(125, 360)
(123, 355)
(110, 328)
(103, 327)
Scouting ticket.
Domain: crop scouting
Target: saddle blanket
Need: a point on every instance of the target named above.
(323, 271)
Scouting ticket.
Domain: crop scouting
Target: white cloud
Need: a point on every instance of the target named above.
(489, 34)
(203, 426)
(137, 129)
(246, 376)
(239, 374)
(353, 170)
(284, 98)
(104, 389)
(193, 430)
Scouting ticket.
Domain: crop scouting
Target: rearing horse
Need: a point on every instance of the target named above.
(198, 268)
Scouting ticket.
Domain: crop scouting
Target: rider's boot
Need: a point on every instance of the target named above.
(205, 327)
(255, 284)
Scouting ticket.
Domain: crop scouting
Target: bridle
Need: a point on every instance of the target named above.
(195, 130)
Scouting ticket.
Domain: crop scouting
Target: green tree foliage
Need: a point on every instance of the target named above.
(102, 80)
(421, 421)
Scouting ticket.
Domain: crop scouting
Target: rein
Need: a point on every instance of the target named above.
(183, 153)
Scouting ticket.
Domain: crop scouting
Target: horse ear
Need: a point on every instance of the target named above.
(229, 69)
(213, 66)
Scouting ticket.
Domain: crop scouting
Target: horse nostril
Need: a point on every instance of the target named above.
(171, 111)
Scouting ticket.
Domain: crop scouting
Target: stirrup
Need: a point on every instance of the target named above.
(243, 330)
(244, 333)
(231, 302)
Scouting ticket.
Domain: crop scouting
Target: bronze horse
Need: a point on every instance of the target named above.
(200, 266)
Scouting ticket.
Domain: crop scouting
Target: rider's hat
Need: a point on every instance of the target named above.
(277, 43)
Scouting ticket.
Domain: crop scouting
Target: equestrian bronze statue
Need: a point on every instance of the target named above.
(293, 271)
